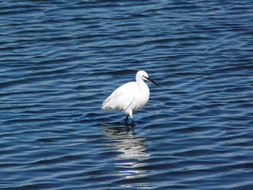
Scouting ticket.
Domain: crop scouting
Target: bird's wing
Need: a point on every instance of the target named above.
(121, 98)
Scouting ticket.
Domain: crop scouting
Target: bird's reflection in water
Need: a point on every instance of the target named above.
(131, 161)
(126, 141)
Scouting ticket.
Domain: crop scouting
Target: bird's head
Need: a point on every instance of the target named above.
(144, 76)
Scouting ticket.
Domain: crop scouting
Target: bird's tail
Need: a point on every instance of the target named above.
(105, 105)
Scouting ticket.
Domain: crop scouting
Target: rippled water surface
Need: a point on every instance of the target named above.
(60, 59)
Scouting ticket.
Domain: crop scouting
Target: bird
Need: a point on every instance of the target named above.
(130, 96)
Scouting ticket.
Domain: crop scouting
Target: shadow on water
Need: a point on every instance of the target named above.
(131, 161)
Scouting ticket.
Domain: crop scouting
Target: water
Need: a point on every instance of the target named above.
(60, 59)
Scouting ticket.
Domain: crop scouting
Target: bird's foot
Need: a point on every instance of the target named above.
(131, 124)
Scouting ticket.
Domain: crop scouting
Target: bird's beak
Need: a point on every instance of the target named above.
(149, 79)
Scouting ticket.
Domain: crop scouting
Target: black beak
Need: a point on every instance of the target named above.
(149, 79)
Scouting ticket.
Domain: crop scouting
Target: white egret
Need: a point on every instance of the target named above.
(130, 96)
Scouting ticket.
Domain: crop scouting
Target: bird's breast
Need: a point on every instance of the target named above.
(141, 98)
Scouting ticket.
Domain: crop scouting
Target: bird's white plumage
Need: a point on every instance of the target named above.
(130, 96)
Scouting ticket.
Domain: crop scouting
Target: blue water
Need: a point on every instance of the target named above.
(60, 59)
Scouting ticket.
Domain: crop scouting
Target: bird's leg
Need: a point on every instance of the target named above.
(132, 119)
(126, 118)
(129, 114)
(132, 123)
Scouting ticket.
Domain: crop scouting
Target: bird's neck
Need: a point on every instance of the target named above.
(143, 86)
